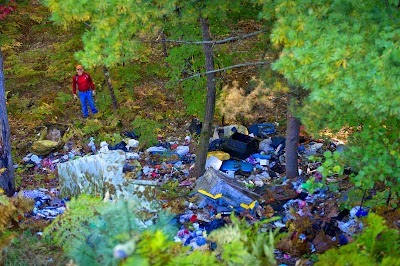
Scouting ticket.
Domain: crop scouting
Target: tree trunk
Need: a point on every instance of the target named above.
(7, 182)
(292, 141)
(206, 131)
(164, 44)
(110, 88)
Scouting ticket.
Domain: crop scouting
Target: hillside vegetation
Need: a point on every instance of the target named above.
(40, 63)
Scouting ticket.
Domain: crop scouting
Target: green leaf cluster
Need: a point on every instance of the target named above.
(332, 165)
(92, 126)
(11, 211)
(376, 245)
(114, 27)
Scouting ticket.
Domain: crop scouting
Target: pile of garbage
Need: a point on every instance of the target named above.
(245, 175)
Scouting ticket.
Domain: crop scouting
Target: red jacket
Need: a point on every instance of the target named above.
(84, 83)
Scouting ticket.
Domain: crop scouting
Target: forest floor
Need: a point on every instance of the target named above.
(315, 222)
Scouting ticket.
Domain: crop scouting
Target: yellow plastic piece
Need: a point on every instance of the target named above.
(209, 194)
(219, 154)
(250, 206)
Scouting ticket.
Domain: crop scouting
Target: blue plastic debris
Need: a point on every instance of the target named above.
(302, 149)
(358, 211)
(131, 135)
(343, 240)
(233, 165)
(41, 201)
(261, 156)
(262, 130)
(361, 212)
(50, 212)
(201, 241)
(223, 204)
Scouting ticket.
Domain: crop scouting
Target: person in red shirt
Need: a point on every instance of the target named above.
(83, 84)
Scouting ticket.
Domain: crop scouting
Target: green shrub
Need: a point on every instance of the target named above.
(376, 245)
(329, 167)
(147, 130)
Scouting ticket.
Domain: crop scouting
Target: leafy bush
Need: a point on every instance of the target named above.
(376, 245)
(62, 99)
(17, 105)
(330, 166)
(111, 138)
(376, 159)
(41, 112)
(11, 211)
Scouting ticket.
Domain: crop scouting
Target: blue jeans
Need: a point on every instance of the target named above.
(87, 97)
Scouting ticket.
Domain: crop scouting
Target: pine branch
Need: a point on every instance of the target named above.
(226, 68)
(230, 39)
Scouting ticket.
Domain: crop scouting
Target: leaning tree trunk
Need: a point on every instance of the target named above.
(110, 88)
(7, 182)
(292, 140)
(206, 130)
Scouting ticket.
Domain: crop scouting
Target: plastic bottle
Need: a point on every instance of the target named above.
(91, 144)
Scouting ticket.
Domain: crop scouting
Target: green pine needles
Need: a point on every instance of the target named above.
(90, 230)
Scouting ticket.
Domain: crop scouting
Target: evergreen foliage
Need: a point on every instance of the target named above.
(90, 229)
(114, 28)
(345, 54)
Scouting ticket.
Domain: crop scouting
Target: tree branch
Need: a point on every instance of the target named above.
(230, 39)
(226, 68)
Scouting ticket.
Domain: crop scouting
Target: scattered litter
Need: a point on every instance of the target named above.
(213, 162)
(244, 175)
